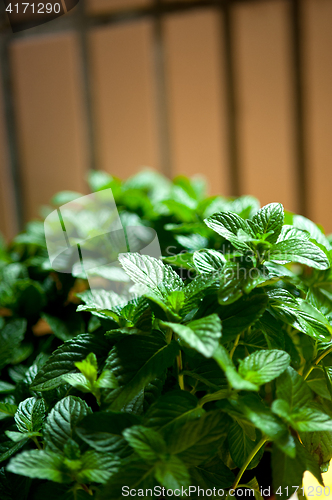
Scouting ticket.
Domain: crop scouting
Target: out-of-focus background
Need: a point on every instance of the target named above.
(240, 91)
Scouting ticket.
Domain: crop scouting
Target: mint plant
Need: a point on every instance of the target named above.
(217, 375)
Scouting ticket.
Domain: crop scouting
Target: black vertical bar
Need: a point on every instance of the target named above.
(299, 123)
(231, 108)
(161, 93)
(82, 29)
(11, 132)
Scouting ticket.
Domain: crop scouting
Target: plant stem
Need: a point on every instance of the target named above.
(247, 462)
(193, 390)
(316, 362)
(86, 489)
(35, 440)
(215, 396)
(179, 369)
(168, 335)
(251, 345)
(308, 372)
(235, 345)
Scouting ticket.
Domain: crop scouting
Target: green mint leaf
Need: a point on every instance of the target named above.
(268, 423)
(215, 475)
(202, 334)
(103, 303)
(315, 232)
(180, 210)
(245, 206)
(89, 367)
(106, 380)
(207, 261)
(162, 307)
(135, 474)
(91, 467)
(248, 429)
(7, 410)
(196, 290)
(11, 335)
(237, 279)
(299, 250)
(136, 313)
(319, 445)
(296, 406)
(239, 315)
(148, 443)
(281, 407)
(20, 436)
(321, 300)
(103, 431)
(22, 353)
(198, 440)
(269, 219)
(39, 464)
(288, 471)
(263, 366)
(62, 361)
(235, 380)
(195, 187)
(215, 396)
(78, 380)
(176, 300)
(193, 242)
(172, 410)
(72, 450)
(319, 382)
(272, 331)
(291, 232)
(240, 446)
(254, 486)
(61, 421)
(136, 361)
(293, 389)
(99, 180)
(182, 260)
(96, 467)
(8, 448)
(299, 314)
(64, 197)
(150, 273)
(29, 297)
(6, 387)
(172, 473)
(228, 225)
(30, 415)
(314, 318)
(309, 418)
(277, 272)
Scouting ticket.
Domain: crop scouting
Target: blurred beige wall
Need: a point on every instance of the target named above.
(51, 118)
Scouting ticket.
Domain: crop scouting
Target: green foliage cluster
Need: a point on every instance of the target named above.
(223, 359)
